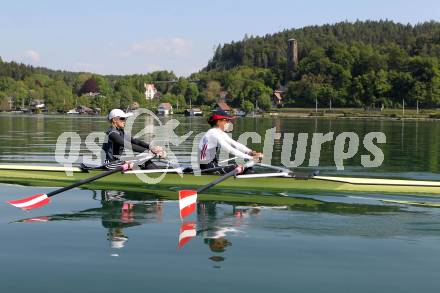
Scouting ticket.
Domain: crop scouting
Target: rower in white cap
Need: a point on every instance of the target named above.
(115, 138)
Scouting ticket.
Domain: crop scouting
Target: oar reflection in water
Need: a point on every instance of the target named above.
(213, 225)
(217, 224)
(117, 214)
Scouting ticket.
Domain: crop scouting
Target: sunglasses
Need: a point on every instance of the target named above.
(121, 118)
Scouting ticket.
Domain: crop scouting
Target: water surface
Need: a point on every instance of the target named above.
(110, 241)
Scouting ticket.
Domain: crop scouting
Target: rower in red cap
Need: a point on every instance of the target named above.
(216, 138)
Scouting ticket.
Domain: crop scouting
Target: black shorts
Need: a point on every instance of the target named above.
(145, 166)
(224, 170)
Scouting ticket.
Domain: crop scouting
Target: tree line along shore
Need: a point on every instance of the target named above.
(364, 68)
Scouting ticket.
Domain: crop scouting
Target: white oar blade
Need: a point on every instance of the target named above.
(187, 202)
(31, 202)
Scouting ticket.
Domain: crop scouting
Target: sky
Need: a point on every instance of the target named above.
(133, 36)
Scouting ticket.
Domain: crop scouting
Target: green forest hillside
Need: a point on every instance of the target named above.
(353, 64)
(360, 64)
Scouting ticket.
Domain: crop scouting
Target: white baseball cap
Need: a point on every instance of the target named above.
(118, 113)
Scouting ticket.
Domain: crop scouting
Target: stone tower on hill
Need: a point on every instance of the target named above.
(292, 58)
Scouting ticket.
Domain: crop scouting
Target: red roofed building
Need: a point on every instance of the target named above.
(165, 109)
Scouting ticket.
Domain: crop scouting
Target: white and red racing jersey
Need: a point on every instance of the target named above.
(216, 139)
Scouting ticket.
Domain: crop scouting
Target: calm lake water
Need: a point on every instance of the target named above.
(87, 241)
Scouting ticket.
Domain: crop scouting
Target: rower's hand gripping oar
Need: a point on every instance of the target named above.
(39, 200)
(188, 197)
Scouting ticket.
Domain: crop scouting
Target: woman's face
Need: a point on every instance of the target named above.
(221, 123)
(119, 122)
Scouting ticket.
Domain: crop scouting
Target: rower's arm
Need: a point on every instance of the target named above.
(241, 147)
(235, 151)
(119, 140)
(135, 141)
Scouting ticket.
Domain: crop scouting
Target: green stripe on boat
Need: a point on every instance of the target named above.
(130, 182)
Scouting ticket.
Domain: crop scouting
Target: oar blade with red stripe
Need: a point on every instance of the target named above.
(31, 202)
(187, 202)
(187, 232)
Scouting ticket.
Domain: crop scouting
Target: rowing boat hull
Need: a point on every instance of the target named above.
(173, 182)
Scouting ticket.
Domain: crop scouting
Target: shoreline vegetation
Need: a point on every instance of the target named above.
(362, 69)
(312, 113)
(356, 113)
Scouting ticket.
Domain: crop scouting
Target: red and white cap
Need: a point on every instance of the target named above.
(220, 114)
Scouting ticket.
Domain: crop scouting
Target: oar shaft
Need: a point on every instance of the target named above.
(85, 181)
(281, 169)
(293, 173)
(228, 160)
(217, 181)
(209, 170)
(226, 176)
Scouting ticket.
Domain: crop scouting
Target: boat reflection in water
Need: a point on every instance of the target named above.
(119, 212)
(213, 230)
(218, 225)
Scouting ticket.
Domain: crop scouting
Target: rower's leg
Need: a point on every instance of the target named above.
(228, 168)
(148, 165)
(249, 170)
(113, 165)
(223, 170)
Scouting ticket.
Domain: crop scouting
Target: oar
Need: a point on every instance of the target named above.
(292, 173)
(187, 169)
(281, 169)
(39, 200)
(228, 160)
(138, 159)
(188, 197)
(180, 170)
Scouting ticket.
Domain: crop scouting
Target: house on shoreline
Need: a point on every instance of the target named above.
(37, 106)
(165, 109)
(193, 112)
(83, 110)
